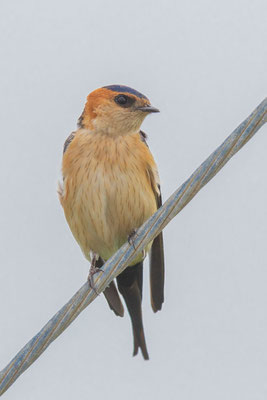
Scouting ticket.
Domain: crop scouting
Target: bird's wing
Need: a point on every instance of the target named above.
(60, 189)
(68, 141)
(157, 250)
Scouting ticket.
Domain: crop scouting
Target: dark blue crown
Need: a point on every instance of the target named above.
(125, 89)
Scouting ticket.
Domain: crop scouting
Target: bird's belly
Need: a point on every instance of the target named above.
(107, 206)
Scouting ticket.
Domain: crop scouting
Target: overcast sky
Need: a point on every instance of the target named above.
(203, 64)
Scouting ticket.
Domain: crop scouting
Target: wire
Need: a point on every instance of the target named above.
(145, 234)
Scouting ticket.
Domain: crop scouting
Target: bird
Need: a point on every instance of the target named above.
(110, 187)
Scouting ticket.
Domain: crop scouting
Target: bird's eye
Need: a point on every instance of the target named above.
(124, 101)
(121, 100)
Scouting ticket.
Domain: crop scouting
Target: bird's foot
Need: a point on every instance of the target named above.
(131, 238)
(93, 270)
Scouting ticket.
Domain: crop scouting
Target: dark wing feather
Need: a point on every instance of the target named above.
(157, 268)
(157, 251)
(68, 141)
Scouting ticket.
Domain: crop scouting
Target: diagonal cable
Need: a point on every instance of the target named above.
(147, 232)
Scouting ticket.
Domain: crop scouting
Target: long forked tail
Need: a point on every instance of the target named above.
(130, 284)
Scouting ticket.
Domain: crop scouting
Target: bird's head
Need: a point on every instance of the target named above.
(115, 110)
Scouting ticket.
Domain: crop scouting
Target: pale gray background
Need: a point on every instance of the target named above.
(203, 63)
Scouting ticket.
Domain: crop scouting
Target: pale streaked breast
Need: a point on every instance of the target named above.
(107, 190)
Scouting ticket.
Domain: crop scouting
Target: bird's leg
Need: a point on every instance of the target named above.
(93, 270)
(131, 237)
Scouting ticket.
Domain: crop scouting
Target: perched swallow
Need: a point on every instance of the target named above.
(110, 188)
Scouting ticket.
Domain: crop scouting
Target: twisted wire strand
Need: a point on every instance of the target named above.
(147, 232)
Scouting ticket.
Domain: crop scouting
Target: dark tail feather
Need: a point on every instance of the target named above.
(111, 294)
(157, 273)
(130, 283)
(114, 302)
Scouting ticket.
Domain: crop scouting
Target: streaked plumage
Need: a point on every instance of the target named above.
(110, 188)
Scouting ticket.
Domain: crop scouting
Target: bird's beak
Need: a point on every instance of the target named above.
(148, 109)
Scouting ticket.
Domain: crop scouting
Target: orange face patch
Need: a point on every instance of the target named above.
(106, 95)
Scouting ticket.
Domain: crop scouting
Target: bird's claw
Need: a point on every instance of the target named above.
(131, 238)
(92, 272)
